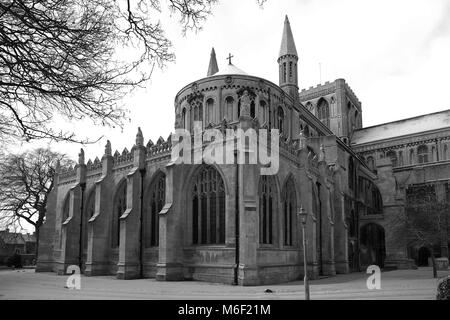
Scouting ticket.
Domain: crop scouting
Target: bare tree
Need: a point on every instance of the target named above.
(26, 180)
(61, 58)
(427, 224)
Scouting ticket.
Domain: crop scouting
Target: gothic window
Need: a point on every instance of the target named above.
(351, 174)
(393, 156)
(183, 118)
(411, 156)
(89, 211)
(445, 155)
(280, 119)
(323, 111)
(198, 112)
(210, 110)
(284, 71)
(252, 109)
(290, 70)
(65, 213)
(267, 209)
(208, 207)
(156, 196)
(120, 205)
(229, 101)
(262, 110)
(306, 131)
(422, 154)
(400, 158)
(289, 212)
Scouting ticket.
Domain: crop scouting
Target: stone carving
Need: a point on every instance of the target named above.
(81, 156)
(139, 138)
(108, 151)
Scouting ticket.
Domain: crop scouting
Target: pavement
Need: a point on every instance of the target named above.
(399, 284)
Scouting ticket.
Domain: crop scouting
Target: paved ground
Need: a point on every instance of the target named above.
(403, 284)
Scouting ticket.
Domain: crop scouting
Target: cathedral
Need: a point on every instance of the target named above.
(138, 214)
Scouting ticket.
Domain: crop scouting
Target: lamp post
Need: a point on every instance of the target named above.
(304, 216)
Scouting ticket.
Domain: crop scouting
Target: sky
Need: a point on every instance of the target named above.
(393, 54)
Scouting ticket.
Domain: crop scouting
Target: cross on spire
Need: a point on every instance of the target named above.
(229, 58)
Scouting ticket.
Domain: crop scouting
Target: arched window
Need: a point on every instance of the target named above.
(65, 215)
(445, 155)
(210, 111)
(66, 208)
(393, 156)
(183, 118)
(156, 197)
(120, 205)
(422, 154)
(208, 207)
(371, 163)
(411, 156)
(289, 212)
(351, 174)
(400, 158)
(252, 109)
(284, 72)
(262, 111)
(89, 211)
(323, 111)
(267, 207)
(229, 101)
(280, 119)
(198, 112)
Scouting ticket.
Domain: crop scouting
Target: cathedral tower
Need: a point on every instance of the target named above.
(287, 62)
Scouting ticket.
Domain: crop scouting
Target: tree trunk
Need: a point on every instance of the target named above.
(36, 229)
(433, 262)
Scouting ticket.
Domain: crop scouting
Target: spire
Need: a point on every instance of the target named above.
(213, 68)
(287, 42)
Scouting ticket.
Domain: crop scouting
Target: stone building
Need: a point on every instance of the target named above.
(139, 213)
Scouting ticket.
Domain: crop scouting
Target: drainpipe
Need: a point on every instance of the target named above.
(80, 240)
(236, 225)
(141, 226)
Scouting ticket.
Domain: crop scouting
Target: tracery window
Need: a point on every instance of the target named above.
(289, 211)
(89, 212)
(323, 111)
(157, 197)
(120, 205)
(208, 207)
(267, 200)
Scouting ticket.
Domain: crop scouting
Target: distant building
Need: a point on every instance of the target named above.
(138, 214)
(23, 244)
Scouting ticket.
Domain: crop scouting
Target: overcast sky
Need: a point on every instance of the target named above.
(394, 55)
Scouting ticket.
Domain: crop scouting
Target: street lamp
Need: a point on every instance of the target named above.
(304, 216)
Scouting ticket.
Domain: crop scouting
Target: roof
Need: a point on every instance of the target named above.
(419, 124)
(230, 69)
(287, 42)
(213, 68)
